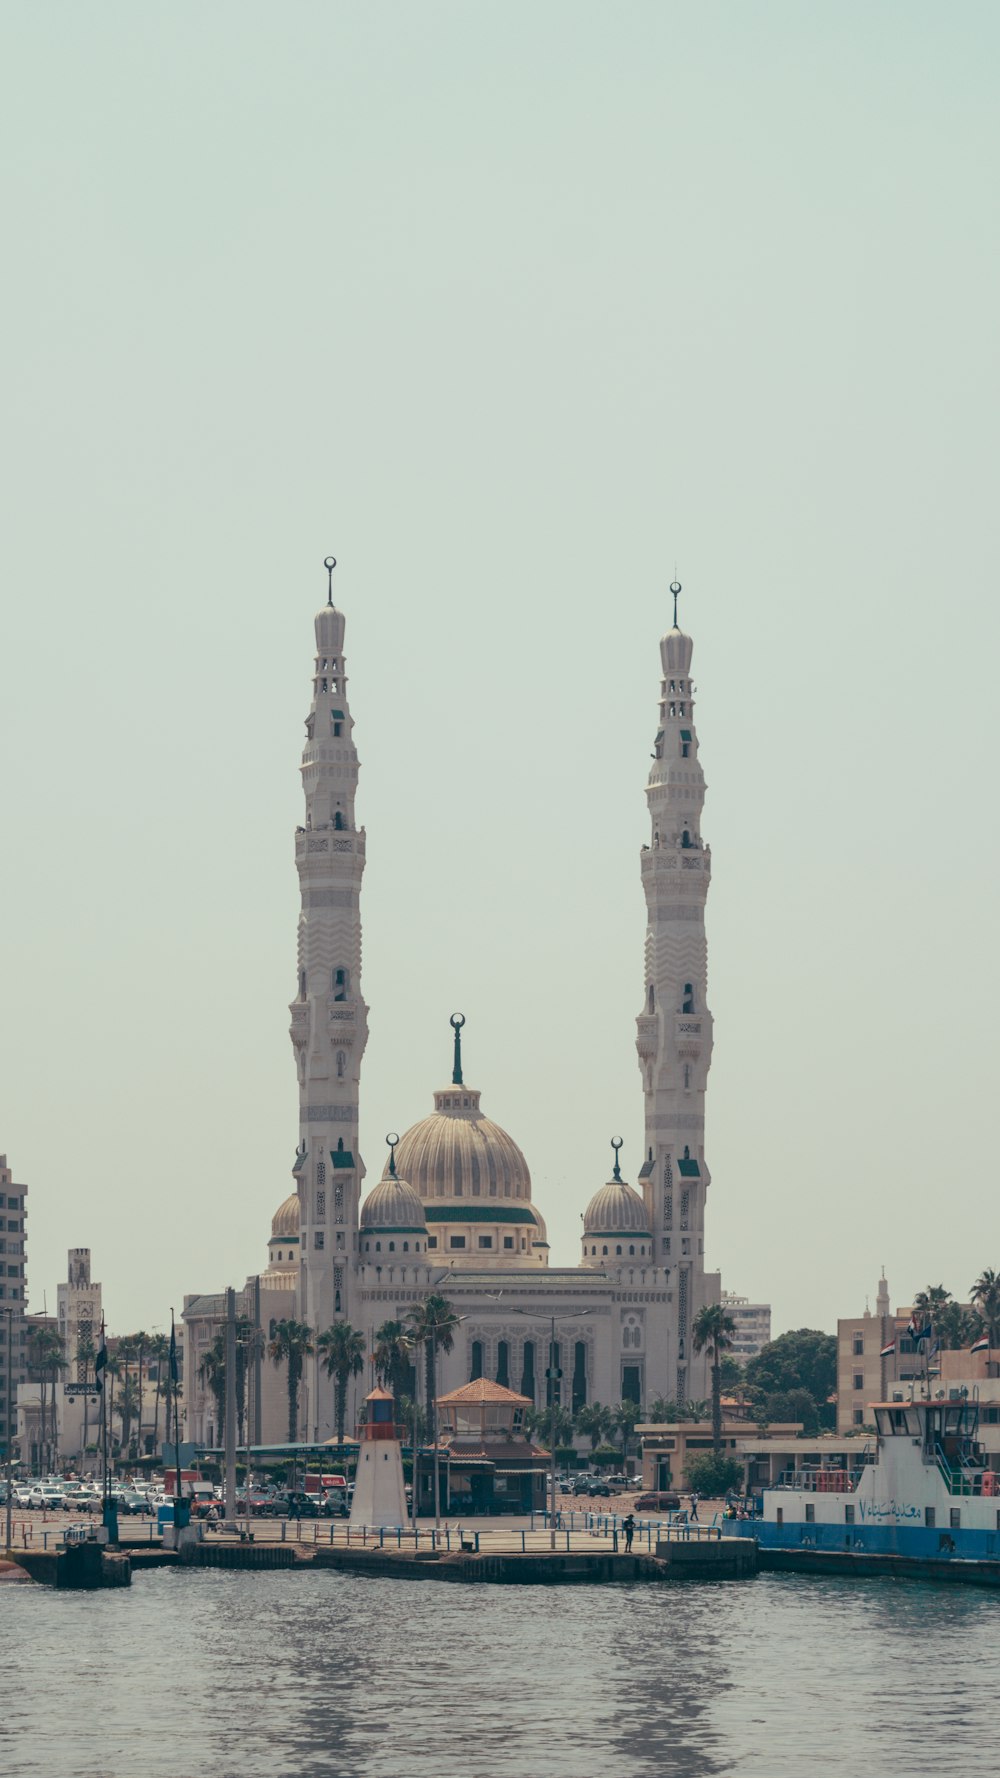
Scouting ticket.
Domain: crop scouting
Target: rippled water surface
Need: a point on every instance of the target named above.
(238, 1675)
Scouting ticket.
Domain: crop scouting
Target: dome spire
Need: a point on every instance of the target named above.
(392, 1139)
(616, 1143)
(675, 588)
(457, 1021)
(330, 564)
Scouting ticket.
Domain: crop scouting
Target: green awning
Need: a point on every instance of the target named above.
(685, 734)
(341, 1157)
(338, 715)
(688, 1169)
(483, 1211)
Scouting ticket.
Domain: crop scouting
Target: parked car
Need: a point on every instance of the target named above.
(293, 1506)
(335, 1503)
(598, 1488)
(582, 1485)
(135, 1503)
(48, 1498)
(663, 1500)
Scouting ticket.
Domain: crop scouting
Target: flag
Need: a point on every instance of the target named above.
(982, 1344)
(924, 1332)
(934, 1348)
(887, 1351)
(101, 1362)
(911, 1327)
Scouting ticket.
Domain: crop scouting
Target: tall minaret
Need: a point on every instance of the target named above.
(675, 1026)
(329, 1018)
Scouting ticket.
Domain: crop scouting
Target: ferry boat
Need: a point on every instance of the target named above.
(922, 1489)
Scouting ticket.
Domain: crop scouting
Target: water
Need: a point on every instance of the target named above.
(232, 1675)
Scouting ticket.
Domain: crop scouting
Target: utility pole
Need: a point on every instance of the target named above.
(10, 1410)
(258, 1344)
(229, 1510)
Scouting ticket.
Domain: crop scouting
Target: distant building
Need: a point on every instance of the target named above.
(878, 1360)
(13, 1335)
(753, 1325)
(78, 1312)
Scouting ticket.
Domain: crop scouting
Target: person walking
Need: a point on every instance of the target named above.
(628, 1526)
(693, 1510)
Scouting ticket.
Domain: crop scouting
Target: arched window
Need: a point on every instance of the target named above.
(336, 1303)
(477, 1360)
(341, 1064)
(392, 1246)
(687, 1003)
(406, 1246)
(378, 1247)
(604, 1252)
(338, 821)
(618, 1249)
(686, 840)
(579, 1375)
(503, 1364)
(302, 984)
(687, 1074)
(341, 983)
(632, 1251)
(528, 1370)
(651, 998)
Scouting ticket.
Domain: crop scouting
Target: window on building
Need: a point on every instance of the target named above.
(503, 1364)
(955, 1518)
(337, 731)
(486, 1240)
(528, 1370)
(477, 1360)
(302, 984)
(318, 1239)
(810, 1513)
(631, 1382)
(456, 1241)
(338, 821)
(341, 983)
(859, 1381)
(320, 1205)
(432, 1241)
(848, 1515)
(858, 1416)
(687, 1001)
(579, 1375)
(929, 1517)
(650, 998)
(859, 1345)
(508, 1241)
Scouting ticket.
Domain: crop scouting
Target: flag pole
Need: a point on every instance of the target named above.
(177, 1437)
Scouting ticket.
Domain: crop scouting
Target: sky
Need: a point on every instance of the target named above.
(518, 311)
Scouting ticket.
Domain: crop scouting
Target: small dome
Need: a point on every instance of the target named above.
(676, 650)
(616, 1210)
(393, 1205)
(285, 1221)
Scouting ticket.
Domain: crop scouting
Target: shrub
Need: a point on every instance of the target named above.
(606, 1454)
(712, 1475)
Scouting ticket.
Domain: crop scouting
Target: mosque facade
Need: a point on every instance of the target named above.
(453, 1212)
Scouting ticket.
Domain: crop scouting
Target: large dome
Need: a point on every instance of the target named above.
(472, 1180)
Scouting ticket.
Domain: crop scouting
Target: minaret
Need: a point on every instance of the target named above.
(674, 1038)
(329, 1018)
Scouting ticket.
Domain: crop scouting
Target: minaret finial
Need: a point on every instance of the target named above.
(392, 1139)
(330, 564)
(457, 1021)
(616, 1143)
(675, 588)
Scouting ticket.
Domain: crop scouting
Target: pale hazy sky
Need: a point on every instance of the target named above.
(510, 307)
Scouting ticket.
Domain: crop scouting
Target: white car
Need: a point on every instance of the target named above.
(48, 1498)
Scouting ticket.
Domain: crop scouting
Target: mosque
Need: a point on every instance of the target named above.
(453, 1211)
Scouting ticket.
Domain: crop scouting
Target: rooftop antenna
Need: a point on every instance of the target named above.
(457, 1021)
(675, 588)
(616, 1143)
(330, 563)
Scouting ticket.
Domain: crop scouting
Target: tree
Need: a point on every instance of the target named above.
(662, 1411)
(159, 1352)
(128, 1396)
(46, 1356)
(392, 1361)
(714, 1328)
(291, 1346)
(804, 1359)
(986, 1304)
(594, 1422)
(954, 1326)
(550, 1424)
(793, 1404)
(931, 1299)
(432, 1324)
(712, 1474)
(342, 1349)
(697, 1410)
(412, 1416)
(624, 1419)
(141, 1340)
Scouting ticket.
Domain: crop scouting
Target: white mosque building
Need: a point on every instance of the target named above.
(453, 1211)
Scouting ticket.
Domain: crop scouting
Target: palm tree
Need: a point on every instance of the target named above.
(932, 1299)
(46, 1356)
(986, 1301)
(342, 1349)
(412, 1416)
(624, 1419)
(159, 1352)
(392, 1361)
(715, 1328)
(128, 1396)
(212, 1370)
(954, 1326)
(662, 1411)
(594, 1422)
(432, 1323)
(126, 1352)
(292, 1345)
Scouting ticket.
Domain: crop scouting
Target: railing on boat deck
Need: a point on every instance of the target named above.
(967, 1481)
(820, 1481)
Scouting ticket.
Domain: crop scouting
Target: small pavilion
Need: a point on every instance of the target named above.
(491, 1466)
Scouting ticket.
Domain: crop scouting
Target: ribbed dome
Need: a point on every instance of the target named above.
(285, 1221)
(393, 1205)
(616, 1210)
(459, 1153)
